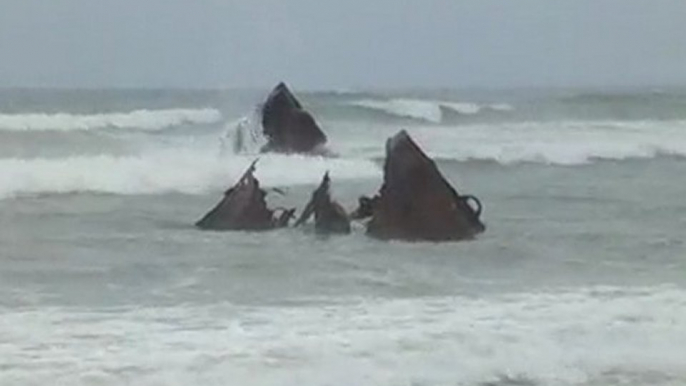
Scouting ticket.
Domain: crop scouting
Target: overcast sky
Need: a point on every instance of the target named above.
(343, 43)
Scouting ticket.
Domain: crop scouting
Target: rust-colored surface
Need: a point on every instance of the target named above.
(287, 126)
(416, 202)
(244, 208)
(329, 216)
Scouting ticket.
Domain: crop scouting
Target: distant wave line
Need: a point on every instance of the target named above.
(427, 110)
(137, 119)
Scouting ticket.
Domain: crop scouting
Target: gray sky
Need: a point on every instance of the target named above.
(343, 43)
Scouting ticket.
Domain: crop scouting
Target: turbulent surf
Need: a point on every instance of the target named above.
(578, 281)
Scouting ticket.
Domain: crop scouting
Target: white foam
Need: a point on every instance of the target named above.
(501, 107)
(172, 170)
(137, 119)
(583, 337)
(427, 110)
(243, 136)
(556, 143)
(409, 108)
(561, 143)
(462, 108)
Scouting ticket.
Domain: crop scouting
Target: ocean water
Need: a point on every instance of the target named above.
(580, 278)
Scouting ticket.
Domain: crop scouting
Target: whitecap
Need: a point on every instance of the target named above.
(427, 110)
(137, 119)
(164, 171)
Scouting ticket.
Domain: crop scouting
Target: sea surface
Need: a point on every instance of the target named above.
(580, 278)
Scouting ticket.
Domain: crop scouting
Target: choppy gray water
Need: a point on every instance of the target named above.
(580, 278)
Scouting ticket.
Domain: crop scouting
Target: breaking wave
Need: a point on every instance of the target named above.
(178, 170)
(243, 136)
(596, 336)
(137, 119)
(555, 143)
(565, 143)
(430, 111)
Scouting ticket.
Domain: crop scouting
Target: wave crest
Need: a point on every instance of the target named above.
(426, 110)
(554, 143)
(137, 119)
(181, 171)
